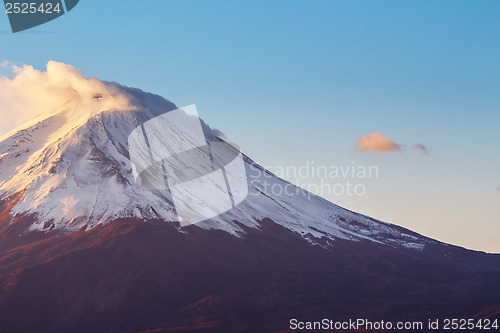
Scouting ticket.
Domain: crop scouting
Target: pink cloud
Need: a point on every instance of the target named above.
(377, 142)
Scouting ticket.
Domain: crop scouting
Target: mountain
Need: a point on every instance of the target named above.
(72, 171)
(83, 248)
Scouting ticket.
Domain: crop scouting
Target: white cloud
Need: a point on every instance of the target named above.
(32, 92)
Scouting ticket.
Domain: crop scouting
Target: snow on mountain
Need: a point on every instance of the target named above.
(72, 166)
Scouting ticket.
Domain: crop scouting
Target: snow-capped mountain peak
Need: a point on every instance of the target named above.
(70, 169)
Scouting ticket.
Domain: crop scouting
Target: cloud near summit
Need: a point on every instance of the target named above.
(31, 92)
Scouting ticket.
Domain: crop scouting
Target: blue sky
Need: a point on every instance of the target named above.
(292, 81)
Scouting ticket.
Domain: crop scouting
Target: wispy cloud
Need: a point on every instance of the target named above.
(420, 147)
(377, 142)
